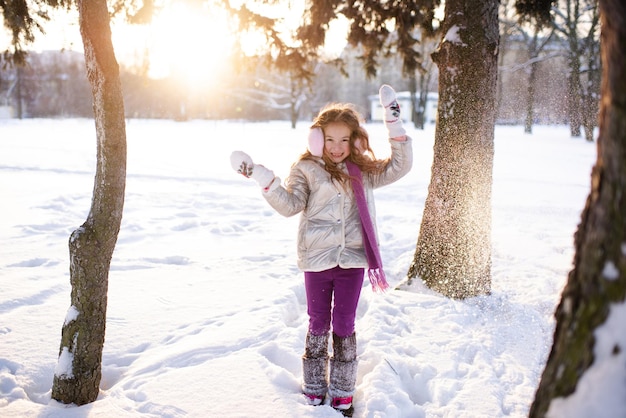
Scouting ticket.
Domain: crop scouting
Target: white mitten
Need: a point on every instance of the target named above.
(264, 176)
(243, 164)
(392, 119)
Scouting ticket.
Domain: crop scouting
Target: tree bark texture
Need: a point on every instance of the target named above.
(453, 252)
(599, 274)
(91, 245)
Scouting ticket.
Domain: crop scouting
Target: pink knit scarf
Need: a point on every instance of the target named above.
(375, 265)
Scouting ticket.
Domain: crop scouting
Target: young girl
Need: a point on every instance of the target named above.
(331, 186)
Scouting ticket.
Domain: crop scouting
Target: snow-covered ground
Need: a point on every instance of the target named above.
(207, 313)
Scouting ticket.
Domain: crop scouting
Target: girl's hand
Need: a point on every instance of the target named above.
(391, 117)
(243, 164)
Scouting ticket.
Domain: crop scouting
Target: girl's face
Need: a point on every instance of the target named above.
(337, 141)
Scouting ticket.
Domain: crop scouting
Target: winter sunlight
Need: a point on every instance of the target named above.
(189, 42)
(184, 40)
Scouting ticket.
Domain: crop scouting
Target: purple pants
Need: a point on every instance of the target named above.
(345, 285)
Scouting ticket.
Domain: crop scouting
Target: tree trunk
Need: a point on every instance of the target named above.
(590, 107)
(453, 252)
(599, 275)
(530, 99)
(590, 98)
(78, 373)
(293, 114)
(574, 93)
(532, 80)
(416, 117)
(18, 93)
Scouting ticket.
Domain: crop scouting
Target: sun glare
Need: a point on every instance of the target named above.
(191, 44)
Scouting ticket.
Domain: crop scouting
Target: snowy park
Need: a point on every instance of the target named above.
(206, 307)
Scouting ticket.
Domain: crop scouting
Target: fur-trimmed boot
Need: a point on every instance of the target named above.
(315, 368)
(343, 367)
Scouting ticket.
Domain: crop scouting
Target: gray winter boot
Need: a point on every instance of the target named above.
(343, 373)
(315, 368)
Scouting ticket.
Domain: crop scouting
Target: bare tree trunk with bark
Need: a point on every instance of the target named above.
(453, 252)
(78, 374)
(599, 275)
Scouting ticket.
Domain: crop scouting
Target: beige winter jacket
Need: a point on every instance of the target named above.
(329, 234)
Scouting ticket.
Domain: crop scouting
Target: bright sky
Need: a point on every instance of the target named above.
(166, 41)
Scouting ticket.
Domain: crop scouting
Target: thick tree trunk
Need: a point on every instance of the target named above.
(453, 252)
(599, 275)
(78, 374)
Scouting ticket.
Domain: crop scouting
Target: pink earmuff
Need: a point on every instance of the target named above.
(357, 145)
(316, 142)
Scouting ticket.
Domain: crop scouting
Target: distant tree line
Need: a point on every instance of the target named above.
(53, 84)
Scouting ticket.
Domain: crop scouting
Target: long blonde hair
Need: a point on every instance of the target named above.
(361, 153)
